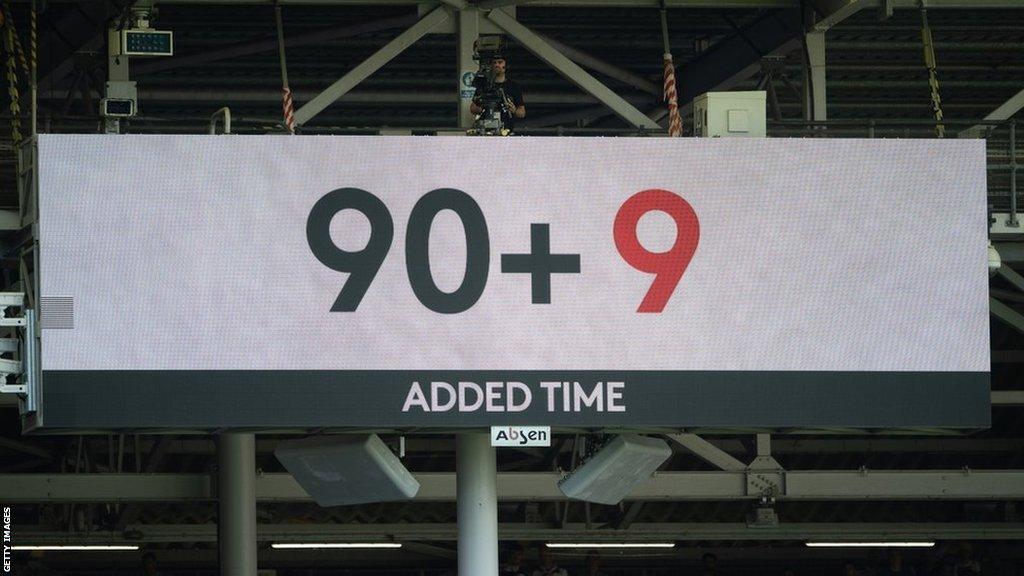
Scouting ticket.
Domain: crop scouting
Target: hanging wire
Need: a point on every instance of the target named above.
(17, 39)
(933, 78)
(12, 75)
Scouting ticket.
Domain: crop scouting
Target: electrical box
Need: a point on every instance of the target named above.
(730, 114)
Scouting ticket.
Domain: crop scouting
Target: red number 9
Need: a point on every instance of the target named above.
(668, 267)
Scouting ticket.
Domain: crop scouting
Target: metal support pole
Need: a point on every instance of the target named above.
(571, 70)
(236, 492)
(1013, 175)
(610, 70)
(814, 86)
(379, 58)
(117, 71)
(664, 29)
(476, 480)
(469, 30)
(287, 106)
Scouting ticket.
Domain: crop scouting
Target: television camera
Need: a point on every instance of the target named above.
(488, 95)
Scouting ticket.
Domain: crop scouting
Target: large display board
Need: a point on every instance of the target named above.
(438, 282)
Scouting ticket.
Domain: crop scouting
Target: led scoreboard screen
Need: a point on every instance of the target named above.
(237, 281)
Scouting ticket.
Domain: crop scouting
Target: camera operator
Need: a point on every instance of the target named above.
(512, 106)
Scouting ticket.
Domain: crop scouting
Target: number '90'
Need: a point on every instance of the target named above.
(363, 265)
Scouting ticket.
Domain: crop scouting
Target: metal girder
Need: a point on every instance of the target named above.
(610, 70)
(27, 448)
(433, 551)
(708, 452)
(456, 4)
(468, 31)
(542, 486)
(1006, 314)
(361, 97)
(107, 487)
(1012, 276)
(884, 9)
(815, 85)
(10, 220)
(1006, 296)
(270, 44)
(630, 515)
(765, 475)
(572, 532)
(749, 4)
(1008, 397)
(1010, 252)
(832, 12)
(571, 70)
(494, 4)
(379, 58)
(896, 485)
(83, 27)
(738, 57)
(1003, 112)
(200, 446)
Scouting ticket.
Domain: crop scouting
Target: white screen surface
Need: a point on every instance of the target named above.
(190, 253)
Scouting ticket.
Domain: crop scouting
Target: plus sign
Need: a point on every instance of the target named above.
(540, 263)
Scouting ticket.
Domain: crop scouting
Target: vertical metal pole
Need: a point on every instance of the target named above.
(280, 45)
(664, 30)
(287, 105)
(476, 480)
(815, 81)
(236, 492)
(1013, 175)
(117, 71)
(469, 29)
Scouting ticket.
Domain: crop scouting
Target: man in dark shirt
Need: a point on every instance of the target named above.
(513, 106)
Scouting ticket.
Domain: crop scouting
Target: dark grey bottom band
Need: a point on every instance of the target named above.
(290, 399)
